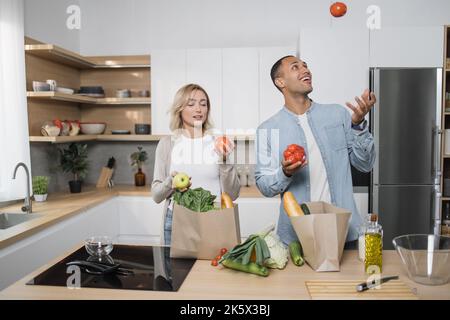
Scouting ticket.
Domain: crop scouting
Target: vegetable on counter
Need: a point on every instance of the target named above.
(248, 256)
(250, 267)
(259, 252)
(243, 252)
(296, 251)
(226, 201)
(278, 251)
(198, 199)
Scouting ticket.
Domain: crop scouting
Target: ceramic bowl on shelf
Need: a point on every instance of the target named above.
(40, 86)
(123, 93)
(92, 91)
(142, 128)
(50, 131)
(64, 90)
(120, 131)
(92, 127)
(140, 93)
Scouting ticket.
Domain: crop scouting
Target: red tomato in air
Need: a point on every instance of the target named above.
(338, 9)
(294, 153)
(223, 251)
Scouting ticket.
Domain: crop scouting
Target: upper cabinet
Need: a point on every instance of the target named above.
(204, 67)
(240, 89)
(168, 75)
(407, 47)
(237, 81)
(339, 62)
(270, 98)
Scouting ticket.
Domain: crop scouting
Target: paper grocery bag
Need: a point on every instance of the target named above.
(322, 235)
(201, 235)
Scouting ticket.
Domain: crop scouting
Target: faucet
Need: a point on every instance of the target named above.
(27, 205)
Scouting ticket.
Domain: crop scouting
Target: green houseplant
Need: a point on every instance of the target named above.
(138, 158)
(74, 160)
(40, 188)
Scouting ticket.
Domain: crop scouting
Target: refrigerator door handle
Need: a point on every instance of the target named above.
(437, 131)
(435, 216)
(435, 154)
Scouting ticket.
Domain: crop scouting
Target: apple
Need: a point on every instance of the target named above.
(181, 180)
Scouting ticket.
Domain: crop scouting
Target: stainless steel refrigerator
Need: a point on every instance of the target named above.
(406, 124)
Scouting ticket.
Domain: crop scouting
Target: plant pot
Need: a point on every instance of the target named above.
(139, 178)
(75, 186)
(40, 197)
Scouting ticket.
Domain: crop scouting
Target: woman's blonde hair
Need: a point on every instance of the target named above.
(180, 101)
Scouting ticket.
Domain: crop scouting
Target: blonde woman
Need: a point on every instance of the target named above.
(191, 149)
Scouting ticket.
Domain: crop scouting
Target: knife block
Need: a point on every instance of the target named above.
(105, 176)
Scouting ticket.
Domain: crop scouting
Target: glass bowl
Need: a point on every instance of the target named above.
(98, 246)
(425, 257)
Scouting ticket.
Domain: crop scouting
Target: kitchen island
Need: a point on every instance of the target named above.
(207, 282)
(63, 205)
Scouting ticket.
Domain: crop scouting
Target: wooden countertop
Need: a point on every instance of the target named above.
(207, 282)
(60, 206)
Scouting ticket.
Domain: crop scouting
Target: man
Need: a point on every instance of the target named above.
(331, 136)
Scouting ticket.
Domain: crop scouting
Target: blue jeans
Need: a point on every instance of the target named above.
(168, 227)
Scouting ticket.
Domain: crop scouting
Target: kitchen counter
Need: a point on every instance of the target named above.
(60, 206)
(207, 282)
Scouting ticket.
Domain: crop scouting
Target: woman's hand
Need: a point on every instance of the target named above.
(223, 146)
(174, 187)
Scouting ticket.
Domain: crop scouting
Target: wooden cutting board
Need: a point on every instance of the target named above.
(346, 289)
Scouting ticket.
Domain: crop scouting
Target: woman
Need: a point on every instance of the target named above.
(191, 150)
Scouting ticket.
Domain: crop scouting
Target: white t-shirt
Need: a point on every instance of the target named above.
(197, 158)
(320, 190)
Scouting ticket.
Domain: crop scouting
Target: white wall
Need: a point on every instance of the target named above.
(45, 20)
(139, 26)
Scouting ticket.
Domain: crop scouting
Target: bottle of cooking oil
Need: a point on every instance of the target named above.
(373, 260)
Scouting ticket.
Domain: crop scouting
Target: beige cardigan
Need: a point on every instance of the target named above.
(162, 181)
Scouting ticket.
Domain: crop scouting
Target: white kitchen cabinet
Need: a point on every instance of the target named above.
(270, 98)
(255, 214)
(140, 220)
(167, 76)
(24, 256)
(362, 203)
(407, 47)
(204, 67)
(339, 62)
(240, 89)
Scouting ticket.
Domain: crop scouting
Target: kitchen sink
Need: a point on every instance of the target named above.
(8, 220)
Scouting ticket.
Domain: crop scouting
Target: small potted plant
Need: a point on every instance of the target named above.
(138, 158)
(74, 160)
(40, 188)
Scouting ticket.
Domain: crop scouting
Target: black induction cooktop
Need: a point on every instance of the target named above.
(147, 268)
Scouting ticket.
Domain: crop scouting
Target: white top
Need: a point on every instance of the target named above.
(197, 158)
(320, 190)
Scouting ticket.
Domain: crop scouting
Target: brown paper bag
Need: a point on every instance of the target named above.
(201, 235)
(322, 235)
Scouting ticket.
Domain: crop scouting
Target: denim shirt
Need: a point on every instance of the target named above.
(339, 145)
